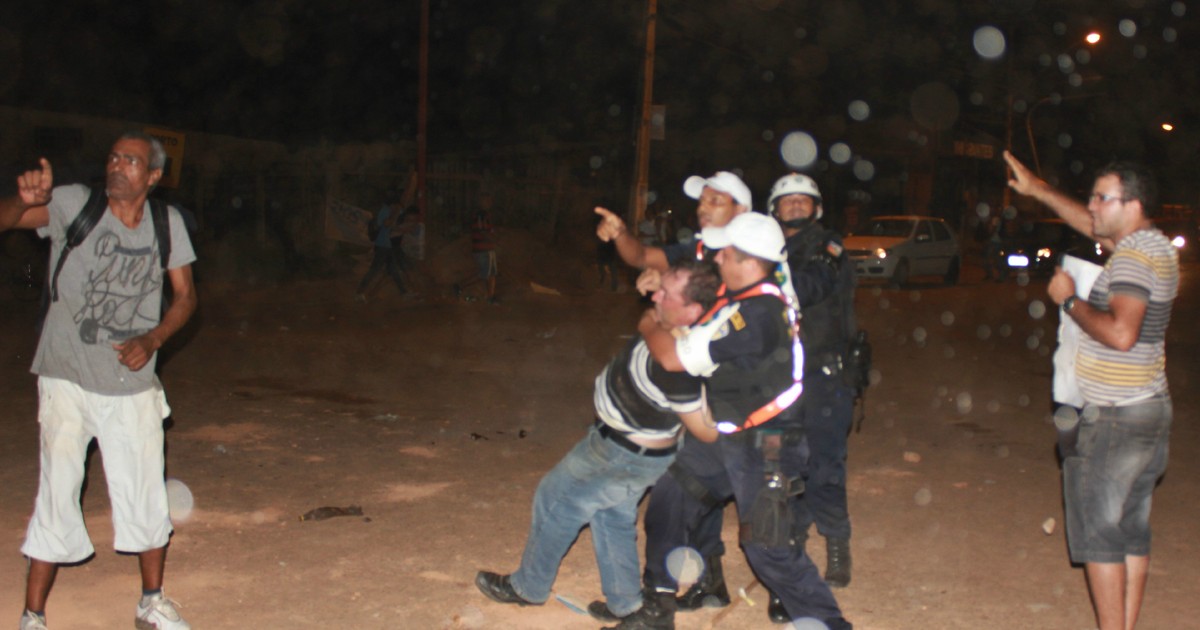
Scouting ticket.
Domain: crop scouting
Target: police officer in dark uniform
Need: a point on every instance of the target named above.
(823, 281)
(823, 278)
(748, 350)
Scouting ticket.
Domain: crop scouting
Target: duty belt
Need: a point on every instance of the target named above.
(829, 363)
(619, 439)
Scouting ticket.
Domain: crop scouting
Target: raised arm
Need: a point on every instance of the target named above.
(1070, 210)
(27, 209)
(631, 250)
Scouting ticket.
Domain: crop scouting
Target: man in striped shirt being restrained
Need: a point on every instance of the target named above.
(641, 411)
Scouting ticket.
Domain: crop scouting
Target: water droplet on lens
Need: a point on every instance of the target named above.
(963, 402)
(840, 153)
(859, 110)
(989, 42)
(798, 149)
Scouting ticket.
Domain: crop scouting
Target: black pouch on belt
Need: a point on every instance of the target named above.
(771, 521)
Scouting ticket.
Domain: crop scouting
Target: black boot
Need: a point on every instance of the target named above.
(837, 562)
(498, 588)
(600, 612)
(775, 610)
(657, 613)
(710, 591)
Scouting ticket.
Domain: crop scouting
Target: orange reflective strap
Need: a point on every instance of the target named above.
(773, 408)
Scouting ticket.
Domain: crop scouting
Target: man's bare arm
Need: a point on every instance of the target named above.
(1070, 210)
(660, 342)
(27, 209)
(135, 353)
(1117, 328)
(629, 248)
(700, 424)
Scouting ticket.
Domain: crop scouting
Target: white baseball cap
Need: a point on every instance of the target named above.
(723, 181)
(753, 233)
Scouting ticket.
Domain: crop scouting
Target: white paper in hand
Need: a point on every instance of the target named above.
(1066, 388)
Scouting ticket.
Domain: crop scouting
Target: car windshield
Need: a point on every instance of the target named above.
(899, 228)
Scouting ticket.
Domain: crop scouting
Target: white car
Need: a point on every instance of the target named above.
(896, 248)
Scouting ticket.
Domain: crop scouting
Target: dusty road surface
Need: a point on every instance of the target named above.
(438, 417)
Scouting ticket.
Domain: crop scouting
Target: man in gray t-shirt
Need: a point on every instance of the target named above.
(95, 364)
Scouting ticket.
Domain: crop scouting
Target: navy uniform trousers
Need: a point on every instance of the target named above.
(732, 467)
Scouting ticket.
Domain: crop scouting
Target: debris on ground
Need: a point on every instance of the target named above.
(322, 513)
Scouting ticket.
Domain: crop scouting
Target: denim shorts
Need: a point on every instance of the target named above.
(1107, 485)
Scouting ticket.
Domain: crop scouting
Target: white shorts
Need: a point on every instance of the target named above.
(129, 431)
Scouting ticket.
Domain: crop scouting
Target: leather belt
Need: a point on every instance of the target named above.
(619, 439)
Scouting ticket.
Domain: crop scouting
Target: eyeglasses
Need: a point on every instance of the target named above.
(132, 160)
(1104, 198)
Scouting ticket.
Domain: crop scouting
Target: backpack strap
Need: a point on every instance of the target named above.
(79, 229)
(160, 215)
(91, 214)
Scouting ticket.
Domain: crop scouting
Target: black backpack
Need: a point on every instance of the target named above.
(83, 225)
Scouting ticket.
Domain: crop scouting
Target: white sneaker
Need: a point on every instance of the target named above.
(32, 621)
(158, 613)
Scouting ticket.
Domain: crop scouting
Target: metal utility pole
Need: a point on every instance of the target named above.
(637, 196)
(422, 109)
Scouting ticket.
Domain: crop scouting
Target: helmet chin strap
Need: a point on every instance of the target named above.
(796, 224)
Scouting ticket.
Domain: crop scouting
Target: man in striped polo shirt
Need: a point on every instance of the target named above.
(1120, 367)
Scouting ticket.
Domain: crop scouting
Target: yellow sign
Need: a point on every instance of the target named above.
(172, 142)
(976, 150)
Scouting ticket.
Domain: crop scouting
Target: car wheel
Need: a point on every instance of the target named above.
(900, 276)
(952, 273)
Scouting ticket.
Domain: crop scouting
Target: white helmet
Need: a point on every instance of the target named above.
(795, 184)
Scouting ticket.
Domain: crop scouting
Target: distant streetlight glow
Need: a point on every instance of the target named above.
(1168, 127)
(1093, 38)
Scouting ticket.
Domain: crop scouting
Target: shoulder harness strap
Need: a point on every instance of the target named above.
(792, 393)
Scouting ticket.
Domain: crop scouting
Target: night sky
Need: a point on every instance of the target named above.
(735, 75)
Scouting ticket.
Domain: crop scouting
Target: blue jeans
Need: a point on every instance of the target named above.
(1107, 486)
(384, 258)
(828, 407)
(599, 483)
(733, 468)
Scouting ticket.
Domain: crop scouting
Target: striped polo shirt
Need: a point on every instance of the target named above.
(1144, 266)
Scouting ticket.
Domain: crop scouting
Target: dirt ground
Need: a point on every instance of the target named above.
(438, 417)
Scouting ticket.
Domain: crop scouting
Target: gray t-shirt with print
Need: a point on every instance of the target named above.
(109, 290)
